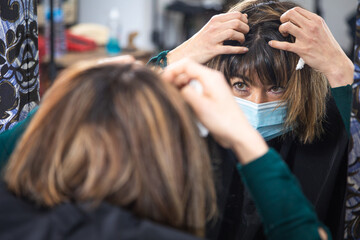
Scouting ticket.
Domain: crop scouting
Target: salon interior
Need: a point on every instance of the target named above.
(73, 31)
(95, 29)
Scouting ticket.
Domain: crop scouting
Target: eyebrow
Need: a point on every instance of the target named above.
(246, 79)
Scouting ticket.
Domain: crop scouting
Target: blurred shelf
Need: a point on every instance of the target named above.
(73, 57)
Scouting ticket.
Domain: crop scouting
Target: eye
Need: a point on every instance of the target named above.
(277, 90)
(240, 86)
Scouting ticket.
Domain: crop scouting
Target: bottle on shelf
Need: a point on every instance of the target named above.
(113, 45)
(60, 46)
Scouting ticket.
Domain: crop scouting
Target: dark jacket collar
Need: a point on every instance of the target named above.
(21, 219)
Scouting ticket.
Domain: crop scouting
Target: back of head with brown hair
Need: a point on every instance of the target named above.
(306, 89)
(116, 133)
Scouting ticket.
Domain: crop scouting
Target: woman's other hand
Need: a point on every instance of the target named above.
(215, 107)
(316, 45)
(208, 42)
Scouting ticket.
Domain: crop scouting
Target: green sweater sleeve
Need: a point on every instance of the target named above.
(285, 211)
(9, 138)
(343, 98)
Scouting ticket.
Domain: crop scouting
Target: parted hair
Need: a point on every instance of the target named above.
(116, 133)
(306, 90)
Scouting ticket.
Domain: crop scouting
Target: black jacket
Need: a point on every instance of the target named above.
(22, 220)
(321, 168)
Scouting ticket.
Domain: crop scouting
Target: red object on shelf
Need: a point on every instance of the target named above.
(79, 44)
(42, 48)
(43, 75)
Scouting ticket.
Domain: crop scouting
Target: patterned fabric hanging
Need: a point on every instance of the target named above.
(19, 61)
(352, 228)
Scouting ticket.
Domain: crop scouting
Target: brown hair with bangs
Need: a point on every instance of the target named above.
(119, 134)
(306, 90)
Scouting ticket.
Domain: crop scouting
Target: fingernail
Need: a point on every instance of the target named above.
(270, 43)
(246, 49)
(246, 18)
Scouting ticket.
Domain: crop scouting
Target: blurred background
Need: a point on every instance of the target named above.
(94, 29)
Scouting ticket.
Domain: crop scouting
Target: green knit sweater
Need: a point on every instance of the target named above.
(284, 210)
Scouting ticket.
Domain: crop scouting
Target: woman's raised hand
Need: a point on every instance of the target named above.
(208, 42)
(216, 109)
(316, 45)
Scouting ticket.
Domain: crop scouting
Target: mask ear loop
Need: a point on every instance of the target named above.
(203, 131)
(300, 65)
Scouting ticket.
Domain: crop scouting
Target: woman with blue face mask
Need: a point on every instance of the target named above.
(292, 80)
(302, 111)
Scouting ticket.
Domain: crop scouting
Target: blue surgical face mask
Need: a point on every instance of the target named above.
(267, 118)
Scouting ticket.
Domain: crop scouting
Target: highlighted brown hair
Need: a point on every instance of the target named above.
(306, 90)
(116, 133)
